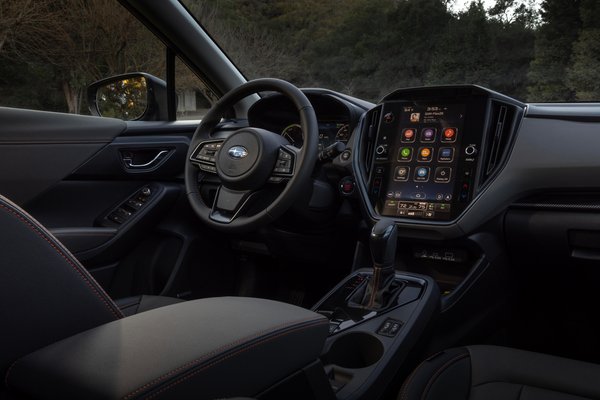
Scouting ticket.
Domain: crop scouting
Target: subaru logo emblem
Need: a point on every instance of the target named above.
(237, 152)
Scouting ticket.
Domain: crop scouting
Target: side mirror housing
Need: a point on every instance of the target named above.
(133, 96)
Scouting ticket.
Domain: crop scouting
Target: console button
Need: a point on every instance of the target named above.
(381, 150)
(471, 150)
(390, 327)
(442, 207)
(347, 186)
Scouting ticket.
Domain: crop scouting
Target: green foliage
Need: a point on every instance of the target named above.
(553, 48)
(582, 76)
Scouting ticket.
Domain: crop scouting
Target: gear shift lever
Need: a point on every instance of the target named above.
(383, 240)
(378, 291)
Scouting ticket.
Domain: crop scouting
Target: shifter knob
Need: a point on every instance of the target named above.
(383, 240)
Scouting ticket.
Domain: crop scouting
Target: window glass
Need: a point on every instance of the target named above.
(534, 50)
(51, 50)
(192, 93)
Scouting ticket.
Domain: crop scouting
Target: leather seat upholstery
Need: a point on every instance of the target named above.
(45, 294)
(137, 304)
(499, 373)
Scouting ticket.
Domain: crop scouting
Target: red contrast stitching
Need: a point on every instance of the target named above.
(439, 372)
(8, 373)
(184, 378)
(37, 231)
(214, 352)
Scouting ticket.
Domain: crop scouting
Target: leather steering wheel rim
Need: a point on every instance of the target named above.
(305, 158)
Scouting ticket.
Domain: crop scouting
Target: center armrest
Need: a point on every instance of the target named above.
(209, 348)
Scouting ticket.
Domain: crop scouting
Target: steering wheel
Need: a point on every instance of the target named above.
(249, 161)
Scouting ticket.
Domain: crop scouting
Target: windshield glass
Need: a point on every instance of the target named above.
(533, 50)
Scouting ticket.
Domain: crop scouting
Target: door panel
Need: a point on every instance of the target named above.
(83, 178)
(38, 149)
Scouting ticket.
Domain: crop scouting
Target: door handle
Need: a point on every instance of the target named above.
(129, 159)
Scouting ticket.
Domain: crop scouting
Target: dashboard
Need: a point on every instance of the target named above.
(336, 117)
(442, 160)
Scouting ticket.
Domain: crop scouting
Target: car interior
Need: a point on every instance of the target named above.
(297, 243)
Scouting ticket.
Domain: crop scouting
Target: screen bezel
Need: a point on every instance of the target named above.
(473, 133)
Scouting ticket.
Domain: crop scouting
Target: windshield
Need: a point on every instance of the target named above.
(533, 50)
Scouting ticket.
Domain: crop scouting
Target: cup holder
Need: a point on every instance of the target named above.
(355, 350)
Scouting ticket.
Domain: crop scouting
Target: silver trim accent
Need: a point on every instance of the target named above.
(129, 162)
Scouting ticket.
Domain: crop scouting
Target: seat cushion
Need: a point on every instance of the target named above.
(500, 373)
(137, 304)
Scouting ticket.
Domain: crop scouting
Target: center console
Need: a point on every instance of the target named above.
(376, 315)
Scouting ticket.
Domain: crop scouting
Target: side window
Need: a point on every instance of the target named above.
(192, 94)
(51, 51)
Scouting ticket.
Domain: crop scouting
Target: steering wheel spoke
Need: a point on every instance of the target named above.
(229, 203)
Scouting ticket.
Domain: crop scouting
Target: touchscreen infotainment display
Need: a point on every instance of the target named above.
(419, 150)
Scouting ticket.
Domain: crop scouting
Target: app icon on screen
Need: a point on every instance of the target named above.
(408, 135)
(405, 154)
(388, 118)
(446, 154)
(401, 174)
(425, 154)
(449, 135)
(421, 174)
(442, 174)
(428, 135)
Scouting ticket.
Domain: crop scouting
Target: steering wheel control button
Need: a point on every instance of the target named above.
(205, 156)
(284, 166)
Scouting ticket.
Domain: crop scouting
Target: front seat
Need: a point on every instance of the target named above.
(45, 293)
(500, 373)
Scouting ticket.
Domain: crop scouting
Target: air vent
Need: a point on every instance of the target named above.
(499, 133)
(371, 126)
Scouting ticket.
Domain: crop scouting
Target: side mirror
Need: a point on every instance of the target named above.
(134, 96)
